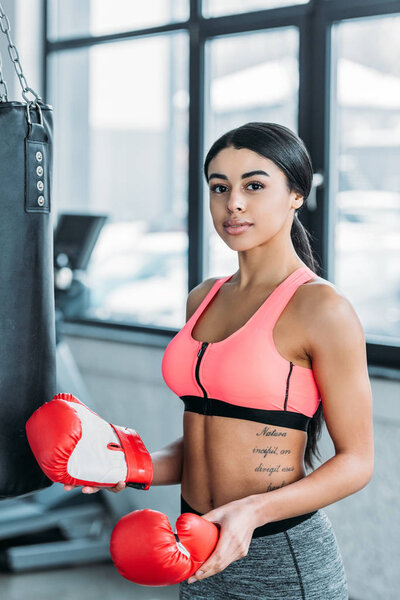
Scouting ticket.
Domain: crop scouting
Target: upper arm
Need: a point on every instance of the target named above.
(197, 295)
(336, 345)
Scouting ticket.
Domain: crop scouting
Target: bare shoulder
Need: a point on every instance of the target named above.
(197, 295)
(327, 314)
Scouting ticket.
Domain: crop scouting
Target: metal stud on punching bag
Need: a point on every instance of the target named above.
(27, 323)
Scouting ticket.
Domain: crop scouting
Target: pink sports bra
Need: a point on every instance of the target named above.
(243, 376)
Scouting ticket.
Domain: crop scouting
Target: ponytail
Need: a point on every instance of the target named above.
(301, 242)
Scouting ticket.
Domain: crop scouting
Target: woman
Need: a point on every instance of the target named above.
(265, 355)
(252, 374)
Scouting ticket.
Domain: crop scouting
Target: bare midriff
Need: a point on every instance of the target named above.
(226, 459)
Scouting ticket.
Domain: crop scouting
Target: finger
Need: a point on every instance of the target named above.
(194, 577)
(119, 487)
(208, 568)
(216, 562)
(68, 488)
(206, 572)
(87, 489)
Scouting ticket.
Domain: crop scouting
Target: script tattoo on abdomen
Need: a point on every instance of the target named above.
(267, 431)
(271, 450)
(271, 470)
(271, 487)
(274, 450)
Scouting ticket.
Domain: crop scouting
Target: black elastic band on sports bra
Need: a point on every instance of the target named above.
(268, 528)
(212, 406)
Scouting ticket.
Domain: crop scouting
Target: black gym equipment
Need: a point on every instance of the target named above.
(52, 527)
(27, 324)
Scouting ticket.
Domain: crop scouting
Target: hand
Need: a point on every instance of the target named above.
(238, 521)
(146, 551)
(80, 448)
(87, 489)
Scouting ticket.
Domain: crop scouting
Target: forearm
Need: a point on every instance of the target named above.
(167, 464)
(340, 476)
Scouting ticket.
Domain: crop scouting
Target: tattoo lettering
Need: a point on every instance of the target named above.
(274, 487)
(267, 431)
(266, 451)
(268, 470)
(271, 470)
(271, 450)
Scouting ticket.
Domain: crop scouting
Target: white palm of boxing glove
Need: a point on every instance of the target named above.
(75, 446)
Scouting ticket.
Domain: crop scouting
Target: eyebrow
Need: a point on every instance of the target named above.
(244, 176)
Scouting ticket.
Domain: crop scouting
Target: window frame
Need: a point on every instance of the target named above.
(314, 22)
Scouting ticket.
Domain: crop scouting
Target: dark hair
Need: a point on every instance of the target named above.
(282, 146)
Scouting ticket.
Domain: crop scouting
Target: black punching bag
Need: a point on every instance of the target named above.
(27, 323)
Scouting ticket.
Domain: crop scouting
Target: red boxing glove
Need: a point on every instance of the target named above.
(73, 445)
(145, 550)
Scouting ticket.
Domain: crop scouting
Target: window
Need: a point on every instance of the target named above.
(139, 97)
(252, 77)
(216, 8)
(121, 140)
(365, 156)
(79, 18)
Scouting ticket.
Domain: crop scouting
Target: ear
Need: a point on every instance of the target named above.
(298, 202)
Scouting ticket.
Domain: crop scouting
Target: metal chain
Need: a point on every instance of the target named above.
(13, 52)
(3, 85)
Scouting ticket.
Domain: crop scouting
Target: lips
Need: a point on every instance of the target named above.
(235, 223)
(237, 229)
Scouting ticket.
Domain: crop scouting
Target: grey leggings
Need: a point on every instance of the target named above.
(301, 563)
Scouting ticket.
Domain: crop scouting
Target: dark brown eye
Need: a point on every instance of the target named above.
(257, 183)
(214, 188)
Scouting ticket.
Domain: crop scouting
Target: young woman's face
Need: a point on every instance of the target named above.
(248, 187)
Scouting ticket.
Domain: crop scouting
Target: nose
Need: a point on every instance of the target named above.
(235, 201)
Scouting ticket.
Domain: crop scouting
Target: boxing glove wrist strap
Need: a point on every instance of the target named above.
(138, 460)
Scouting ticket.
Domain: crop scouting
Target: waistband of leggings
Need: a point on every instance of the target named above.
(268, 528)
